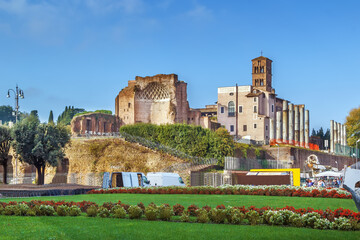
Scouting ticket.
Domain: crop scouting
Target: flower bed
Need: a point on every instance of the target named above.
(237, 190)
(339, 219)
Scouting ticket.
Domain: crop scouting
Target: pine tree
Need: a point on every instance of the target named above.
(51, 117)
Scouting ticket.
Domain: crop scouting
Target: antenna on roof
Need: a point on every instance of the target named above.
(261, 53)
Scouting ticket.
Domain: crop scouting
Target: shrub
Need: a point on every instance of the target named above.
(178, 209)
(253, 217)
(202, 216)
(115, 208)
(192, 210)
(217, 215)
(296, 220)
(322, 224)
(185, 217)
(135, 212)
(31, 212)
(108, 205)
(119, 213)
(165, 212)
(234, 216)
(21, 209)
(74, 211)
(142, 206)
(207, 208)
(342, 223)
(267, 216)
(310, 218)
(62, 210)
(92, 211)
(277, 218)
(1, 209)
(151, 213)
(103, 212)
(10, 210)
(46, 210)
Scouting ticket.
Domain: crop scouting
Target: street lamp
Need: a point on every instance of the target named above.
(337, 165)
(277, 160)
(357, 153)
(18, 94)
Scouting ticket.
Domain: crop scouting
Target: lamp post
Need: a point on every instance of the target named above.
(337, 165)
(277, 159)
(18, 94)
(356, 153)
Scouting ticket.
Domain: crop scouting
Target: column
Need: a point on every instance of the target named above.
(331, 143)
(278, 127)
(301, 115)
(335, 135)
(272, 130)
(345, 136)
(307, 125)
(291, 124)
(297, 126)
(285, 122)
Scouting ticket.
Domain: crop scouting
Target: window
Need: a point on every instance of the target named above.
(254, 99)
(231, 94)
(266, 127)
(254, 125)
(222, 109)
(244, 128)
(231, 109)
(258, 63)
(129, 105)
(272, 108)
(231, 128)
(240, 109)
(261, 69)
(255, 109)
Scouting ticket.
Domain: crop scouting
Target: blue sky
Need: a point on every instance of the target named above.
(82, 53)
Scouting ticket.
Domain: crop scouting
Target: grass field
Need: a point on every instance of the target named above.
(109, 228)
(211, 200)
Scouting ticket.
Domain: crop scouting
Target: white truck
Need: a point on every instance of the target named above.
(124, 179)
(163, 179)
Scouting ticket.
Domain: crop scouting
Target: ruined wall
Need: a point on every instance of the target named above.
(95, 123)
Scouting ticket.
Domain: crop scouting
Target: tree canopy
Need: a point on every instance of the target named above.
(353, 126)
(5, 142)
(38, 144)
(66, 116)
(51, 117)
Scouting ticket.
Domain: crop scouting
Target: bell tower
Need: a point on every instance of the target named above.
(262, 73)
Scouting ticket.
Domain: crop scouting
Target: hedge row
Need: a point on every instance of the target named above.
(339, 219)
(236, 190)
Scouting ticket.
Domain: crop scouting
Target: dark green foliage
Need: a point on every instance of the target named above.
(217, 215)
(6, 114)
(103, 212)
(74, 211)
(151, 213)
(51, 117)
(38, 144)
(193, 140)
(165, 212)
(96, 111)
(119, 212)
(5, 142)
(202, 216)
(92, 211)
(135, 212)
(66, 116)
(62, 210)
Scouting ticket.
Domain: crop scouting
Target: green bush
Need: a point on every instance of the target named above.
(151, 213)
(310, 219)
(10, 210)
(21, 209)
(253, 217)
(31, 212)
(46, 210)
(1, 209)
(185, 217)
(62, 210)
(322, 224)
(217, 215)
(296, 220)
(342, 223)
(267, 216)
(103, 212)
(135, 212)
(165, 212)
(120, 213)
(202, 216)
(234, 216)
(74, 211)
(92, 211)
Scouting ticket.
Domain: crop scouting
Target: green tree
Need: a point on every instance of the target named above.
(6, 114)
(66, 116)
(353, 126)
(313, 133)
(51, 117)
(5, 143)
(38, 144)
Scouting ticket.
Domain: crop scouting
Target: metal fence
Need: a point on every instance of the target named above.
(232, 163)
(346, 151)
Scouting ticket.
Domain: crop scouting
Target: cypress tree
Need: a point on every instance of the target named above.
(51, 117)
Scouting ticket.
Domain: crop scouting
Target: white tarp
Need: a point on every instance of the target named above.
(329, 174)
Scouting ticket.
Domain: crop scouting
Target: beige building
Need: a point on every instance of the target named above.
(249, 112)
(158, 99)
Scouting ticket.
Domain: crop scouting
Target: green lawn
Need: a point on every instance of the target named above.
(83, 227)
(211, 200)
(109, 228)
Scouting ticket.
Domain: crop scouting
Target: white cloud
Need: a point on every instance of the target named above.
(200, 12)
